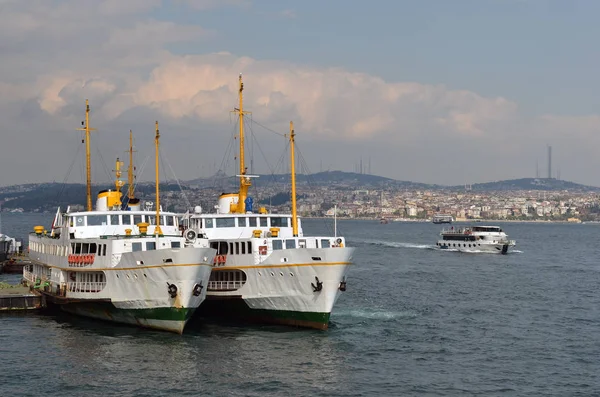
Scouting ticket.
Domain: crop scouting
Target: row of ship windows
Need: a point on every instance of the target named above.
(245, 247)
(114, 220)
(237, 248)
(91, 248)
(264, 221)
(454, 245)
(63, 250)
(150, 246)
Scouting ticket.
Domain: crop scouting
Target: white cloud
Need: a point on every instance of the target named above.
(56, 54)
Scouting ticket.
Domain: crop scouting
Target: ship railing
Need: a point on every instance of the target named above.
(86, 286)
(29, 276)
(224, 285)
(460, 230)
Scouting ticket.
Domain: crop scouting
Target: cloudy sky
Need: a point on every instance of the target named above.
(434, 91)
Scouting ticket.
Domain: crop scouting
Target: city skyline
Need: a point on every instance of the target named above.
(433, 92)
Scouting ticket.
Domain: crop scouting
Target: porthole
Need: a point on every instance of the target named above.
(291, 274)
(272, 274)
(281, 274)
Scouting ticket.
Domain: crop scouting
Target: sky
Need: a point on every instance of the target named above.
(433, 91)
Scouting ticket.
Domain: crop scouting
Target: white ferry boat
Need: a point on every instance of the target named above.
(475, 239)
(442, 218)
(266, 269)
(124, 265)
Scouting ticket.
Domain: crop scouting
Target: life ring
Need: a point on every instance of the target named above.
(92, 258)
(70, 259)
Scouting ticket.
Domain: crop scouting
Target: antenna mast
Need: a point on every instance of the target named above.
(88, 165)
(157, 230)
(130, 190)
(245, 183)
(293, 172)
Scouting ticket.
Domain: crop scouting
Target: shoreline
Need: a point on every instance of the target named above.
(486, 221)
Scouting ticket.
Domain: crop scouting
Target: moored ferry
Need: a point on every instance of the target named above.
(442, 218)
(120, 263)
(266, 270)
(475, 239)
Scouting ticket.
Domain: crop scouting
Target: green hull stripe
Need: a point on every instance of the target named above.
(237, 309)
(158, 313)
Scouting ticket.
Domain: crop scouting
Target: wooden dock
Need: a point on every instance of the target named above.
(20, 298)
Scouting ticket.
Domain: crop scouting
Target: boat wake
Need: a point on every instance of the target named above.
(395, 244)
(476, 251)
(374, 314)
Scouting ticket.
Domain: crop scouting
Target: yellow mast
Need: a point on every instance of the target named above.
(157, 230)
(88, 163)
(293, 171)
(118, 182)
(245, 183)
(130, 190)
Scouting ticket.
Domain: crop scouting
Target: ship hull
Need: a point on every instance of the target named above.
(236, 309)
(137, 289)
(161, 318)
(297, 292)
(486, 248)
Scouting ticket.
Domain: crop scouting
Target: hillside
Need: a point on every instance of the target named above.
(531, 184)
(48, 196)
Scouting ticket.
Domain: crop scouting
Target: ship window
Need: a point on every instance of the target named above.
(151, 219)
(241, 222)
(80, 220)
(290, 244)
(325, 243)
(243, 247)
(252, 222)
(70, 220)
(170, 221)
(136, 247)
(150, 245)
(220, 246)
(175, 244)
(77, 248)
(225, 222)
(231, 248)
(249, 247)
(277, 245)
(92, 248)
(103, 249)
(208, 223)
(264, 222)
(126, 219)
(97, 220)
(237, 248)
(279, 221)
(137, 219)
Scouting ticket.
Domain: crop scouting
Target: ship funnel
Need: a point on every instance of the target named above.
(226, 201)
(134, 205)
(108, 200)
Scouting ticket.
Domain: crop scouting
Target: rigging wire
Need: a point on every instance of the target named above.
(64, 182)
(183, 194)
(311, 183)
